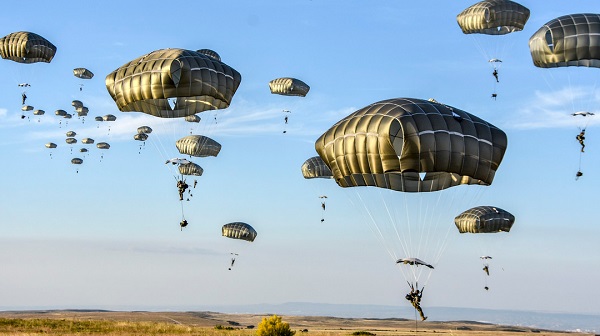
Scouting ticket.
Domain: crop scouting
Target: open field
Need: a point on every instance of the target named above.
(76, 322)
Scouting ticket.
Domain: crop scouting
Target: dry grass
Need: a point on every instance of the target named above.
(203, 324)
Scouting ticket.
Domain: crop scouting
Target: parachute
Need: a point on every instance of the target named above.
(60, 113)
(39, 112)
(195, 81)
(198, 145)
(144, 129)
(83, 73)
(190, 168)
(570, 45)
(413, 261)
(315, 167)
(71, 141)
(109, 117)
(87, 141)
(50, 145)
(484, 219)
(26, 108)
(210, 53)
(71, 134)
(389, 144)
(423, 156)
(76, 161)
(26, 47)
(140, 137)
(102, 145)
(289, 87)
(239, 230)
(76, 104)
(192, 118)
(493, 17)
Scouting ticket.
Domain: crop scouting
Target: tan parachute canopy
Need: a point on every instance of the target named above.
(144, 129)
(71, 134)
(77, 103)
(239, 230)
(569, 40)
(83, 73)
(109, 117)
(315, 167)
(190, 169)
(71, 141)
(195, 81)
(289, 87)
(210, 53)
(493, 17)
(87, 141)
(198, 145)
(140, 137)
(192, 118)
(50, 145)
(412, 145)
(39, 112)
(26, 47)
(484, 219)
(102, 145)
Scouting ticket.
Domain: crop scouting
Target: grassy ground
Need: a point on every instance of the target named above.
(69, 323)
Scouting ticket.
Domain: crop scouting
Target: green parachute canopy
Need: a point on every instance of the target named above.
(315, 167)
(289, 87)
(190, 168)
(412, 145)
(569, 40)
(26, 47)
(239, 230)
(198, 145)
(484, 219)
(194, 81)
(493, 17)
(83, 73)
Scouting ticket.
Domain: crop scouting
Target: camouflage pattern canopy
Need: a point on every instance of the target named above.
(140, 137)
(26, 47)
(198, 145)
(570, 40)
(210, 53)
(289, 87)
(102, 145)
(315, 167)
(493, 17)
(194, 81)
(192, 118)
(71, 134)
(50, 145)
(144, 129)
(389, 144)
(190, 169)
(239, 230)
(87, 141)
(76, 161)
(71, 141)
(83, 73)
(484, 219)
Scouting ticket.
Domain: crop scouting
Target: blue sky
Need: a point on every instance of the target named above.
(108, 236)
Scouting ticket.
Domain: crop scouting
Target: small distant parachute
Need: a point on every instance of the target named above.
(239, 230)
(177, 161)
(87, 141)
(493, 17)
(192, 118)
(569, 40)
(144, 129)
(50, 145)
(140, 137)
(76, 103)
(71, 134)
(24, 85)
(190, 168)
(413, 262)
(582, 113)
(68, 116)
(315, 167)
(109, 117)
(39, 112)
(83, 73)
(198, 145)
(210, 53)
(60, 113)
(26, 47)
(173, 83)
(76, 161)
(98, 118)
(484, 219)
(83, 150)
(289, 87)
(71, 141)
(82, 111)
(102, 145)
(27, 108)
(495, 60)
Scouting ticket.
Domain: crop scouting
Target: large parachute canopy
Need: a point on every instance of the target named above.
(484, 219)
(195, 81)
(493, 17)
(412, 145)
(315, 167)
(26, 47)
(239, 230)
(198, 145)
(288, 87)
(569, 40)
(83, 73)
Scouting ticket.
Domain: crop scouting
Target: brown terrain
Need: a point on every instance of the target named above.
(315, 325)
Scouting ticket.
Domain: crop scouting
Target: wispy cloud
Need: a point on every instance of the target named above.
(554, 109)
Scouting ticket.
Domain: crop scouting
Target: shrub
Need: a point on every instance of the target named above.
(363, 333)
(273, 326)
